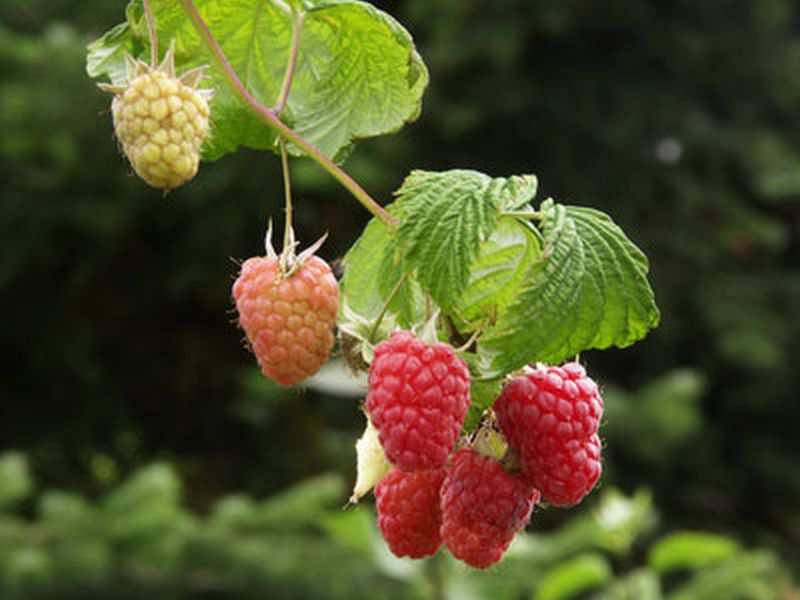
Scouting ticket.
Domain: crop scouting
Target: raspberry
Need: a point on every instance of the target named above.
(418, 398)
(409, 514)
(288, 317)
(550, 417)
(483, 507)
(161, 121)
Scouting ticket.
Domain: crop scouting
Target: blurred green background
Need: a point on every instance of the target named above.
(144, 455)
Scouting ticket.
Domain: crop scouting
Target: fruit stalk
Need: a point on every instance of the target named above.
(153, 32)
(270, 118)
(286, 87)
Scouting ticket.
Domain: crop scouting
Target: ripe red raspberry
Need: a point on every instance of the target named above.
(287, 317)
(418, 398)
(550, 417)
(483, 507)
(409, 514)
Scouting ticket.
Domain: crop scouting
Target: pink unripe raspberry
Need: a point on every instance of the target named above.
(483, 507)
(288, 319)
(409, 514)
(418, 398)
(551, 417)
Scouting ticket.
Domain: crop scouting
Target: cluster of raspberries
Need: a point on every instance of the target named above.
(475, 504)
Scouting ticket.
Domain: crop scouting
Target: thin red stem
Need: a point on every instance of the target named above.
(270, 118)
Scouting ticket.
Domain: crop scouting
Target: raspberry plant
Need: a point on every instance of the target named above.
(474, 266)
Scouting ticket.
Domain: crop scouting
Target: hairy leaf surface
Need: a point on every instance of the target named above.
(444, 218)
(496, 274)
(358, 74)
(589, 290)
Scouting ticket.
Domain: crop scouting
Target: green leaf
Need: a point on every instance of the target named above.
(574, 576)
(16, 482)
(482, 395)
(517, 191)
(589, 290)
(295, 507)
(303, 503)
(371, 272)
(66, 513)
(621, 520)
(358, 74)
(351, 528)
(444, 217)
(106, 55)
(691, 549)
(640, 584)
(738, 577)
(496, 274)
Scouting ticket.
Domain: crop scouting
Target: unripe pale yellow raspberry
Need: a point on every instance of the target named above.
(161, 121)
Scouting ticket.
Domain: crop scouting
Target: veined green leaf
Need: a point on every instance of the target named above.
(588, 290)
(358, 74)
(482, 395)
(444, 217)
(517, 191)
(371, 272)
(496, 273)
(106, 55)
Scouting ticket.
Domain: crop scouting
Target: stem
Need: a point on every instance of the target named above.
(472, 339)
(287, 196)
(374, 329)
(436, 578)
(297, 25)
(151, 26)
(273, 122)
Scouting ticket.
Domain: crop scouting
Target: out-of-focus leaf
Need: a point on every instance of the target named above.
(742, 577)
(658, 418)
(573, 577)
(143, 517)
(67, 514)
(691, 549)
(26, 570)
(641, 584)
(351, 527)
(304, 503)
(16, 481)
